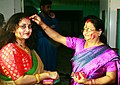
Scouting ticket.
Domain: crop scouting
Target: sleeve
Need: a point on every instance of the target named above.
(73, 42)
(111, 66)
(7, 62)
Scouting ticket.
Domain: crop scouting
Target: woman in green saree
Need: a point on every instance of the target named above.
(19, 63)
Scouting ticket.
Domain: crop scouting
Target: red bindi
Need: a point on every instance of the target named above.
(88, 21)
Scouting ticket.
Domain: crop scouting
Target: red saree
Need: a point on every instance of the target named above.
(15, 62)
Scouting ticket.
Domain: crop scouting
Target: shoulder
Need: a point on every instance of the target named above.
(75, 39)
(111, 52)
(74, 42)
(7, 48)
(9, 45)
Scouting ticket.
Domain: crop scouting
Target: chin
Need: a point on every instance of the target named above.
(26, 37)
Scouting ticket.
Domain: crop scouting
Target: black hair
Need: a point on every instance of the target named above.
(98, 24)
(8, 36)
(2, 20)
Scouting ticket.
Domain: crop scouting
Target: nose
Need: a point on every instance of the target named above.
(27, 28)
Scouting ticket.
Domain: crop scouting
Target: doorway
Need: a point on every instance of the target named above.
(118, 31)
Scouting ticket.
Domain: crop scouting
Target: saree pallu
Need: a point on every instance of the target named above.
(92, 59)
(15, 62)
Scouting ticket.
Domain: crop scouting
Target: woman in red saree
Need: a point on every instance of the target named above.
(94, 62)
(19, 63)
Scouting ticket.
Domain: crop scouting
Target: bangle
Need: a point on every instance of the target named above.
(93, 81)
(37, 78)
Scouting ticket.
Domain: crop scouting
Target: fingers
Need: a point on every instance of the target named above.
(53, 75)
(33, 16)
(78, 75)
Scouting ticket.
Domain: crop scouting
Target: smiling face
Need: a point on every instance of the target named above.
(90, 32)
(24, 29)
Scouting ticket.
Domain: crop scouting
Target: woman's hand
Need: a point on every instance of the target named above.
(80, 77)
(53, 75)
(36, 19)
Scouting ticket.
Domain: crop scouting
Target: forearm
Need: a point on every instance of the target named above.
(31, 79)
(100, 81)
(53, 34)
(27, 80)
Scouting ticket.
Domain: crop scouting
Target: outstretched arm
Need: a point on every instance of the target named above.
(33, 79)
(50, 32)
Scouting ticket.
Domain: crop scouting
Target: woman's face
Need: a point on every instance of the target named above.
(24, 29)
(90, 32)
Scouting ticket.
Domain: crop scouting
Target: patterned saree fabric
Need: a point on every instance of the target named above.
(95, 61)
(14, 62)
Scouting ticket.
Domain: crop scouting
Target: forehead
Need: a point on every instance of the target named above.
(89, 24)
(25, 21)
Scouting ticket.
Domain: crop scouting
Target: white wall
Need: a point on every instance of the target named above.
(114, 5)
(104, 7)
(110, 7)
(9, 7)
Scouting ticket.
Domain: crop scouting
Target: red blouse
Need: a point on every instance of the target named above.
(14, 62)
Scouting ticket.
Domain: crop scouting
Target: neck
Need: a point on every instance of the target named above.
(21, 43)
(92, 43)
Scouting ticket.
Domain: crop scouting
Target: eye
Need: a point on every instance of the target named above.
(23, 26)
(89, 30)
(30, 26)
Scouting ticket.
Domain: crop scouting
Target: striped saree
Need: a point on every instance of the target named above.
(92, 61)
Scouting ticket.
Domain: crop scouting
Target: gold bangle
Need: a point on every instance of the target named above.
(37, 78)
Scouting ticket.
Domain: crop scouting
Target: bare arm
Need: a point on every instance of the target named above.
(108, 79)
(31, 79)
(49, 31)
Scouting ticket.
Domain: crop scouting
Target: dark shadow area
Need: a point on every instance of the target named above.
(70, 24)
(30, 10)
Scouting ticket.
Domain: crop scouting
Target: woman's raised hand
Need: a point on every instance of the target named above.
(35, 18)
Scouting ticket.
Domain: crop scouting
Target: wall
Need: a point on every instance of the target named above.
(9, 7)
(104, 7)
(114, 5)
(88, 8)
(110, 7)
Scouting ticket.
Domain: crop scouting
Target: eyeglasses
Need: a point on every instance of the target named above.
(24, 26)
(88, 30)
